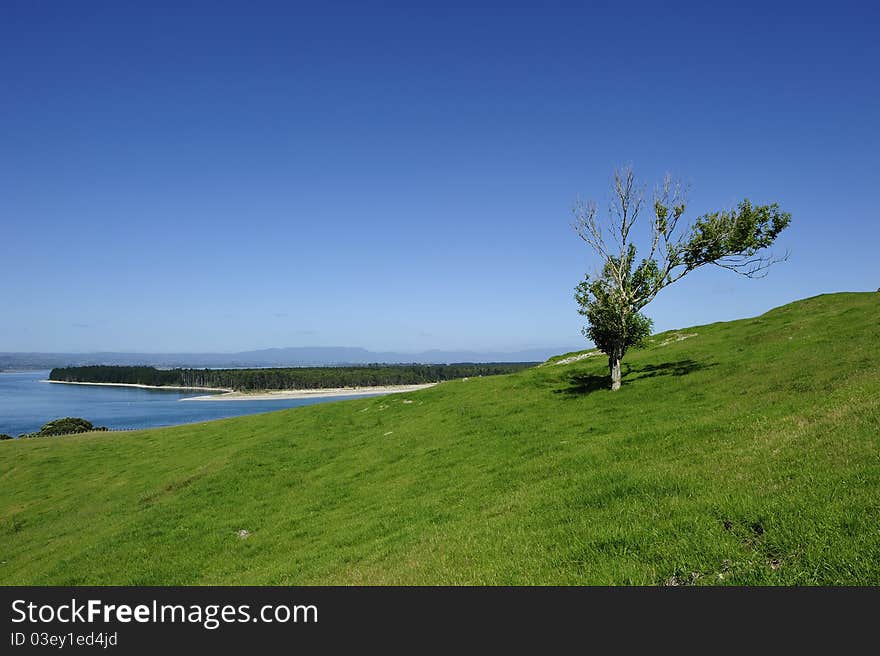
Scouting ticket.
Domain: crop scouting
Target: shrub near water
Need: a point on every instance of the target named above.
(65, 426)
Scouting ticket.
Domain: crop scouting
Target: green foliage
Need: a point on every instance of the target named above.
(611, 325)
(739, 453)
(4, 436)
(285, 378)
(117, 374)
(65, 426)
(733, 239)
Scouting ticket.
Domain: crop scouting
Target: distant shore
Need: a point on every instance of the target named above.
(277, 395)
(226, 394)
(152, 387)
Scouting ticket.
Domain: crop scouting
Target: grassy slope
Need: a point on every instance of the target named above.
(747, 454)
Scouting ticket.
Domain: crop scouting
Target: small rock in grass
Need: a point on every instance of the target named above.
(243, 533)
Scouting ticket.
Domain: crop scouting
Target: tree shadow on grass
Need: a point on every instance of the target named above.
(580, 383)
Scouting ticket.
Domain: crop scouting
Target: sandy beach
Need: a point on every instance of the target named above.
(310, 393)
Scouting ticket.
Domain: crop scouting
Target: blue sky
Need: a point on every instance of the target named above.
(234, 176)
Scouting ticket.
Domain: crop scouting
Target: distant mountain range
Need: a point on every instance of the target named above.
(274, 357)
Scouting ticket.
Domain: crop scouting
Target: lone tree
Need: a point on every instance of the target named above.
(612, 299)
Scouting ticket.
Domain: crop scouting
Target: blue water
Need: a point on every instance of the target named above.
(26, 403)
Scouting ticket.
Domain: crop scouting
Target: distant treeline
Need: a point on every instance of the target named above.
(286, 378)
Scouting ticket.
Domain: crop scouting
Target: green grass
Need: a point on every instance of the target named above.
(745, 454)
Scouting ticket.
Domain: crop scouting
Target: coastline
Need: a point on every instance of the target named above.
(227, 394)
(151, 387)
(278, 395)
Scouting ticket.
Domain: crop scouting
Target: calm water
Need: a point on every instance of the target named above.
(26, 404)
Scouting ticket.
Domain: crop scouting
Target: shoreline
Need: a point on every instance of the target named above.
(227, 394)
(139, 386)
(328, 392)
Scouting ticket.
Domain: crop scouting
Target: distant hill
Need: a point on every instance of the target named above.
(737, 453)
(299, 356)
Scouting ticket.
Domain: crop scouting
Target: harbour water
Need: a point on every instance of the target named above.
(26, 403)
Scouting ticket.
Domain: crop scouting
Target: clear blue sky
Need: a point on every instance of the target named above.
(231, 176)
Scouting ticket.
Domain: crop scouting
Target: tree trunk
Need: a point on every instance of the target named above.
(614, 366)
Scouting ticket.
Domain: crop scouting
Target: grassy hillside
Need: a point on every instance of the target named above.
(745, 452)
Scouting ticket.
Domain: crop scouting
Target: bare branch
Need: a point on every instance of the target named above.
(755, 267)
(628, 200)
(587, 226)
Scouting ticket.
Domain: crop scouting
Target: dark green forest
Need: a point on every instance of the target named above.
(285, 378)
